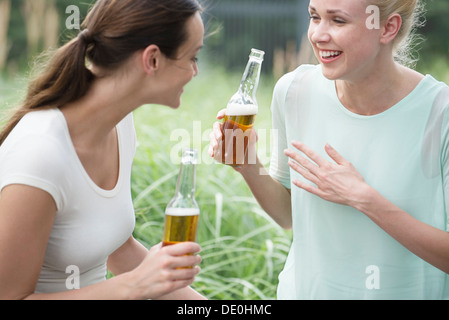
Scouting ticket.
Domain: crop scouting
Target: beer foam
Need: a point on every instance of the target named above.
(235, 109)
(182, 212)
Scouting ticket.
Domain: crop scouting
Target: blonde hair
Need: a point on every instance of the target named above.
(412, 14)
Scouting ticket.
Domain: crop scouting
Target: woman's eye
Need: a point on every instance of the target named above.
(339, 21)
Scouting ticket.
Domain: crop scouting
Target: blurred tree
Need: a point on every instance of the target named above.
(34, 26)
(275, 26)
(42, 25)
(5, 11)
(435, 44)
(51, 26)
(33, 12)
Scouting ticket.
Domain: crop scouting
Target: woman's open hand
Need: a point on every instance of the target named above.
(337, 181)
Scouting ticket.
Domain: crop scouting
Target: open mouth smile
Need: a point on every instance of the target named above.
(328, 56)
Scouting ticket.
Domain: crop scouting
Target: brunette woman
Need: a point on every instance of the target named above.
(66, 156)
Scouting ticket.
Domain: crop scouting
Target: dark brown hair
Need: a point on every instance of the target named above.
(113, 31)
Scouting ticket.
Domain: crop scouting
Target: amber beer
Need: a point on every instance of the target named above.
(181, 225)
(237, 126)
(182, 212)
(241, 112)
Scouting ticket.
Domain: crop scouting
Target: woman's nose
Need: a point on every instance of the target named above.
(196, 70)
(319, 32)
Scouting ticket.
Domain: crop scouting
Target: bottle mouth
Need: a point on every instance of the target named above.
(257, 54)
(189, 156)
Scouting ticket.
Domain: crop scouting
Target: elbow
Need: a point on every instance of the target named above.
(286, 226)
(14, 296)
(286, 223)
(15, 292)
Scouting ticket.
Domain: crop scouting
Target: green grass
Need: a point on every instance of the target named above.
(243, 250)
(12, 90)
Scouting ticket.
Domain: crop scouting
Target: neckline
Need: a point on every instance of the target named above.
(108, 193)
(392, 109)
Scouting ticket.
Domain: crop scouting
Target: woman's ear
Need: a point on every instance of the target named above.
(391, 28)
(151, 59)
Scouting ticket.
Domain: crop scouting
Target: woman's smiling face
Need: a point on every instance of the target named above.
(343, 44)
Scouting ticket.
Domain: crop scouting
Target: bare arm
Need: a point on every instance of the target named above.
(128, 257)
(428, 243)
(26, 219)
(272, 196)
(162, 273)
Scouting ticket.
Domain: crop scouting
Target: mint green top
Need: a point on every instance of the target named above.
(337, 252)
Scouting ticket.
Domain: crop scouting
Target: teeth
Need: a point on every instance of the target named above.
(326, 54)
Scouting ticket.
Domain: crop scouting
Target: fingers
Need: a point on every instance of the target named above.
(310, 168)
(335, 155)
(185, 273)
(315, 157)
(217, 148)
(216, 139)
(182, 255)
(221, 114)
(300, 163)
(187, 261)
(216, 136)
(307, 187)
(253, 137)
(183, 248)
(306, 173)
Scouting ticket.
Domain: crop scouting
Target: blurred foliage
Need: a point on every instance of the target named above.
(259, 23)
(19, 53)
(435, 46)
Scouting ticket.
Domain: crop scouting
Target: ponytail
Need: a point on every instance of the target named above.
(65, 79)
(113, 31)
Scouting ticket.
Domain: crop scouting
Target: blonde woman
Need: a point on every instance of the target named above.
(361, 170)
(66, 212)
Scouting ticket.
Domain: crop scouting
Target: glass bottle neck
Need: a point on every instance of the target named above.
(250, 80)
(186, 180)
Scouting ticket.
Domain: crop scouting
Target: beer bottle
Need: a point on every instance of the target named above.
(241, 113)
(182, 212)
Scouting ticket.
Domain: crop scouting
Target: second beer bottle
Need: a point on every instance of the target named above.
(182, 212)
(241, 113)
